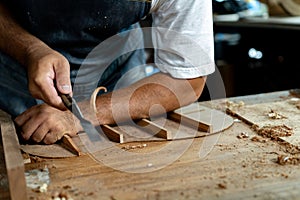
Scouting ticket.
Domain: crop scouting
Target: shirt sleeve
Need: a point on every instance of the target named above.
(182, 36)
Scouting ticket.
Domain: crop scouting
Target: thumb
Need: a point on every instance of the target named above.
(63, 82)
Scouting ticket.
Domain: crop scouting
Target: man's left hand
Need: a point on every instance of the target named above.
(46, 124)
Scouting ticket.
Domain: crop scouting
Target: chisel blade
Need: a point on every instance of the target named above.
(87, 126)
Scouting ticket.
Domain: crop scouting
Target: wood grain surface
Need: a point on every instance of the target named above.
(234, 168)
(272, 114)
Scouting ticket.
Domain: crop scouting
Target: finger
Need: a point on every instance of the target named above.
(23, 117)
(50, 95)
(30, 120)
(50, 138)
(40, 133)
(45, 90)
(63, 82)
(30, 127)
(53, 137)
(22, 121)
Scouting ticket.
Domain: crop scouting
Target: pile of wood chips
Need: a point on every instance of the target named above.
(274, 132)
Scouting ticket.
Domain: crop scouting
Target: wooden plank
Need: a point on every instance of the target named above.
(155, 129)
(4, 188)
(14, 161)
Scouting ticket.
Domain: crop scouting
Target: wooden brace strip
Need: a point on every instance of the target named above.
(202, 126)
(14, 161)
(68, 142)
(113, 134)
(157, 130)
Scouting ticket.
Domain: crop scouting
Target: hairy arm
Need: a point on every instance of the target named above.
(152, 96)
(14, 40)
(47, 69)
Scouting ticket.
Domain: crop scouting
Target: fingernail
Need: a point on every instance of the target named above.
(66, 88)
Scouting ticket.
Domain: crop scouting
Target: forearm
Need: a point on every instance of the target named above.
(151, 96)
(14, 40)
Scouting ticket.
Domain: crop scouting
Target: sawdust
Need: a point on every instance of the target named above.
(289, 148)
(274, 132)
(258, 139)
(61, 195)
(273, 122)
(222, 186)
(274, 115)
(286, 159)
(131, 147)
(243, 135)
(232, 105)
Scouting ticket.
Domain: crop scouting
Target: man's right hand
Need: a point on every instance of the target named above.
(48, 70)
(48, 75)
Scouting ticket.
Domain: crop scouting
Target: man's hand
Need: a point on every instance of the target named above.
(48, 75)
(43, 123)
(48, 71)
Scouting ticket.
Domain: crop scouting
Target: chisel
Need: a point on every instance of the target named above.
(87, 126)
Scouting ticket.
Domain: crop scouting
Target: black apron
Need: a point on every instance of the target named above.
(76, 27)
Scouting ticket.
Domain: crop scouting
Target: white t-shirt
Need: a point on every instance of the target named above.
(183, 37)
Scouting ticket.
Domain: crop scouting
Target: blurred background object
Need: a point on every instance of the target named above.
(283, 7)
(233, 10)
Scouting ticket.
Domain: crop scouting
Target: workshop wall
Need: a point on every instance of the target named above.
(257, 59)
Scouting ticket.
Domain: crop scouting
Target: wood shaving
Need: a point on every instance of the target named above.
(289, 148)
(231, 104)
(35, 159)
(274, 132)
(222, 186)
(243, 135)
(140, 146)
(62, 195)
(285, 159)
(274, 115)
(258, 139)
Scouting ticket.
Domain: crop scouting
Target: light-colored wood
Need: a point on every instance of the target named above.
(258, 114)
(155, 129)
(13, 160)
(234, 169)
(4, 187)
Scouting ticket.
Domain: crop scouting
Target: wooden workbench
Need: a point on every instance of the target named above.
(233, 169)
